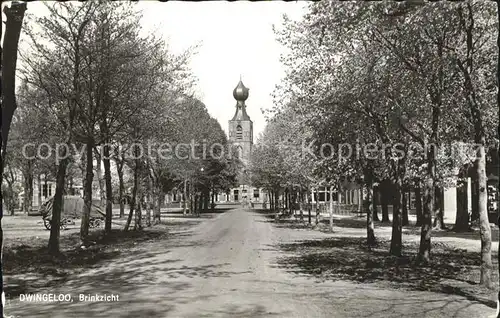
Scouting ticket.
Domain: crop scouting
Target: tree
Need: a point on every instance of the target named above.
(328, 84)
(13, 23)
(140, 62)
(108, 76)
(476, 72)
(393, 65)
(198, 165)
(55, 71)
(498, 106)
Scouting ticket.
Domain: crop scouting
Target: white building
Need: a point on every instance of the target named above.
(46, 189)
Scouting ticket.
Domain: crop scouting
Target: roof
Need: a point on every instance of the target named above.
(241, 112)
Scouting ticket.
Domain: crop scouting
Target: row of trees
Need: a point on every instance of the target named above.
(105, 97)
(411, 84)
(101, 93)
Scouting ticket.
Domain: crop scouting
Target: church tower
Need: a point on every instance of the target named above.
(240, 126)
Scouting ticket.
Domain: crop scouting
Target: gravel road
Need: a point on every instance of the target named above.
(226, 267)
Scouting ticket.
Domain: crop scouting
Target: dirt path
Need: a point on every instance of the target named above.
(225, 267)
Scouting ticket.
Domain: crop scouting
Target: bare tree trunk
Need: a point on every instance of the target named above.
(370, 227)
(404, 206)
(57, 207)
(29, 202)
(276, 205)
(285, 201)
(109, 189)
(198, 203)
(121, 186)
(149, 198)
(424, 252)
(184, 194)
(121, 189)
(331, 209)
(100, 180)
(134, 191)
(195, 203)
(396, 238)
(271, 200)
(375, 204)
(462, 216)
(301, 204)
(275, 201)
(46, 185)
(138, 213)
(28, 187)
(153, 203)
(148, 210)
(212, 205)
(474, 195)
(339, 198)
(13, 24)
(316, 221)
(484, 224)
(157, 213)
(201, 202)
(384, 198)
(39, 180)
(191, 200)
(87, 193)
(498, 106)
(9, 200)
(418, 204)
(309, 207)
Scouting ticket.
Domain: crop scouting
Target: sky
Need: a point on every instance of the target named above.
(236, 38)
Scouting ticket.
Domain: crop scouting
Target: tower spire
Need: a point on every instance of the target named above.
(240, 93)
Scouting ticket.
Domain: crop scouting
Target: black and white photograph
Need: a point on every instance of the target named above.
(252, 159)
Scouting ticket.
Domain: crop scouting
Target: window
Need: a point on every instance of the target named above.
(256, 193)
(50, 190)
(44, 190)
(239, 132)
(236, 195)
(321, 197)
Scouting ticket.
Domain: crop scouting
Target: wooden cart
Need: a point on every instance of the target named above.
(72, 209)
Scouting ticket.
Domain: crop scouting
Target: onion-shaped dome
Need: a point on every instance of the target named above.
(240, 93)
